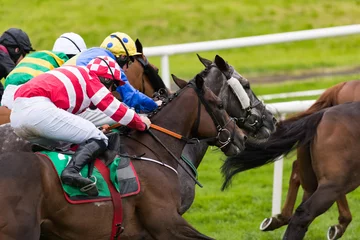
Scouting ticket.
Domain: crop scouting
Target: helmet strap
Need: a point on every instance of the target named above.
(72, 43)
(112, 74)
(123, 45)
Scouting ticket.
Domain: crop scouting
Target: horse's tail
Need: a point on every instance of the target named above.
(288, 135)
(327, 99)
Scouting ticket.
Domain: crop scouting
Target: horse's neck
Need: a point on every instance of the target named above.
(178, 117)
(195, 152)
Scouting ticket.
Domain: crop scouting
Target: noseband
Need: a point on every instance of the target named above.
(220, 129)
(249, 109)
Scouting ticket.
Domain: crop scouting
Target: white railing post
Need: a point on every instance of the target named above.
(277, 184)
(165, 71)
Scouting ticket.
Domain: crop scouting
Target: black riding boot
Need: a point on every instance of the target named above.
(85, 154)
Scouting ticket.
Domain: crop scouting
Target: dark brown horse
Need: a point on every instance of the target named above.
(33, 202)
(255, 120)
(338, 94)
(143, 75)
(328, 168)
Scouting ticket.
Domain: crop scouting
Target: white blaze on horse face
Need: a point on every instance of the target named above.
(239, 92)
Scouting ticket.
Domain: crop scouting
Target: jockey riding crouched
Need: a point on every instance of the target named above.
(39, 62)
(118, 46)
(46, 112)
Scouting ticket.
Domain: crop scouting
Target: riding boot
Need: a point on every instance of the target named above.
(85, 154)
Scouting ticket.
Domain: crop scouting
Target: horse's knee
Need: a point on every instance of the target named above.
(345, 219)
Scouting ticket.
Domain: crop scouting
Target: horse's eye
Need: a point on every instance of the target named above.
(220, 106)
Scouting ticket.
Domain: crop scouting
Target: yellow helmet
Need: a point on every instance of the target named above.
(113, 44)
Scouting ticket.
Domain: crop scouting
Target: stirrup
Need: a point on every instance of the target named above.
(91, 188)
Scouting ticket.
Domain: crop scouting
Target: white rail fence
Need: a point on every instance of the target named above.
(166, 51)
(277, 108)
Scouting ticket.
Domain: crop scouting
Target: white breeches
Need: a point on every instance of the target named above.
(8, 96)
(37, 118)
(97, 117)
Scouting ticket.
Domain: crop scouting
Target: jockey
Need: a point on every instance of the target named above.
(47, 106)
(29, 67)
(69, 43)
(120, 47)
(14, 45)
(65, 47)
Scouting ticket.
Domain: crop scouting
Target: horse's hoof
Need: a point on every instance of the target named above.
(265, 224)
(334, 233)
(272, 223)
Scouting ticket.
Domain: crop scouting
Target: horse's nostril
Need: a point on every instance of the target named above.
(274, 120)
(245, 138)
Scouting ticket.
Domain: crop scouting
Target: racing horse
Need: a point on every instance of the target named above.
(340, 93)
(328, 141)
(240, 102)
(34, 205)
(252, 117)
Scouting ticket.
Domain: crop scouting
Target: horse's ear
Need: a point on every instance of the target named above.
(179, 82)
(220, 62)
(139, 47)
(199, 81)
(204, 61)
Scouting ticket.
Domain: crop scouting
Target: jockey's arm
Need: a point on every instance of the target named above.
(135, 99)
(103, 99)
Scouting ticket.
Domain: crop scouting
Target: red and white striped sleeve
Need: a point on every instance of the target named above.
(102, 98)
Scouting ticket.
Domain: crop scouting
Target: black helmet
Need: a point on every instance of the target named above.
(16, 38)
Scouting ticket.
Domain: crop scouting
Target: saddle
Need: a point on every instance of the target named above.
(120, 172)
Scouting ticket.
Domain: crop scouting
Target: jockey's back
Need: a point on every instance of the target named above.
(75, 88)
(33, 65)
(84, 57)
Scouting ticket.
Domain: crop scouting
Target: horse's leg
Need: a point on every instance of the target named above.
(319, 202)
(21, 196)
(269, 224)
(283, 218)
(335, 232)
(193, 153)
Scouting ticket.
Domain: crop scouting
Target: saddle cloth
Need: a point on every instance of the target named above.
(122, 175)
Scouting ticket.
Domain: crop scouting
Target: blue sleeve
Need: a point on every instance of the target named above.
(135, 99)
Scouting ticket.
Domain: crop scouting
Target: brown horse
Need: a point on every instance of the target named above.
(256, 120)
(328, 141)
(34, 205)
(143, 75)
(338, 94)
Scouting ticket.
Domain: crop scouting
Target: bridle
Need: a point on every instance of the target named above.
(252, 105)
(155, 80)
(221, 129)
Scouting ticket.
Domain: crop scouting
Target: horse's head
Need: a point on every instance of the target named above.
(239, 100)
(211, 122)
(143, 75)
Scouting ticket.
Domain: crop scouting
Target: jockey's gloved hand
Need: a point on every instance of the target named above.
(158, 102)
(145, 120)
(135, 99)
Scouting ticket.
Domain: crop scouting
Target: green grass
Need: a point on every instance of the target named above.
(164, 22)
(236, 213)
